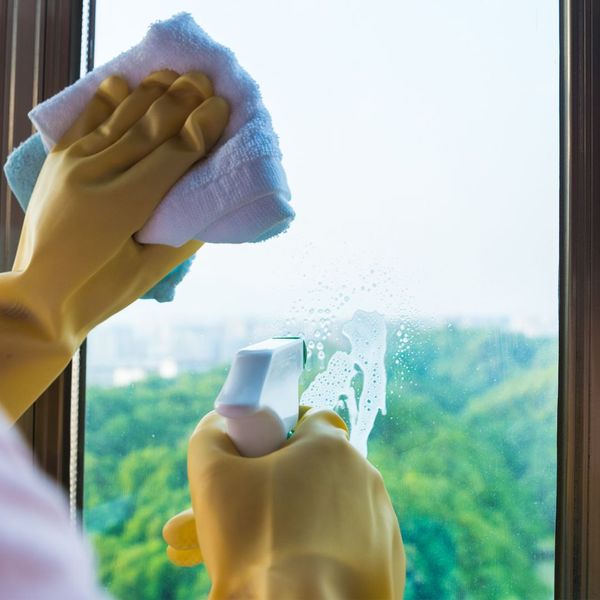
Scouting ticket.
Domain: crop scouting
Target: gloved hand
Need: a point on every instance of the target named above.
(311, 520)
(77, 262)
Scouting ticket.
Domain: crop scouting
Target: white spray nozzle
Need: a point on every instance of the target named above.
(260, 396)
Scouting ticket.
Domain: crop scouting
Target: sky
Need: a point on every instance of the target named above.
(421, 144)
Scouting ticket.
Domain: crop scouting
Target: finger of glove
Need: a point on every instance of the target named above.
(180, 531)
(109, 95)
(160, 170)
(162, 121)
(157, 260)
(127, 113)
(210, 440)
(184, 558)
(315, 424)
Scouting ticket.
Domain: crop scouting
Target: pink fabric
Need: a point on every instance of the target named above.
(42, 556)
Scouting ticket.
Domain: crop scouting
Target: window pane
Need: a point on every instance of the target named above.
(421, 146)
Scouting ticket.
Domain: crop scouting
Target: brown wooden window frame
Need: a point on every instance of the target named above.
(42, 51)
(41, 54)
(577, 563)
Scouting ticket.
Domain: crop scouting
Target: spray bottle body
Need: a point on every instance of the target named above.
(260, 396)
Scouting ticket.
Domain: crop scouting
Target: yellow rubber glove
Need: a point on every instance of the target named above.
(77, 262)
(312, 520)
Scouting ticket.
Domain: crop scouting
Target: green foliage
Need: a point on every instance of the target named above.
(467, 451)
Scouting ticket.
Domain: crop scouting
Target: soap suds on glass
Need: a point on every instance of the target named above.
(333, 388)
(355, 320)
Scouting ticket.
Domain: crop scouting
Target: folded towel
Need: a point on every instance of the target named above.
(22, 169)
(239, 193)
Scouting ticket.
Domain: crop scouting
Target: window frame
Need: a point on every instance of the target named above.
(577, 562)
(42, 55)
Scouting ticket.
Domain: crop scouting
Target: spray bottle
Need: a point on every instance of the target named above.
(259, 398)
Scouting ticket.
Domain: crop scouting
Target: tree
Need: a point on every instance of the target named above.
(466, 451)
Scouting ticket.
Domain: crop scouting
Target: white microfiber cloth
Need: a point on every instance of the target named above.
(239, 193)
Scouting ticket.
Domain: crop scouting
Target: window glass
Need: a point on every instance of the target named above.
(421, 146)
